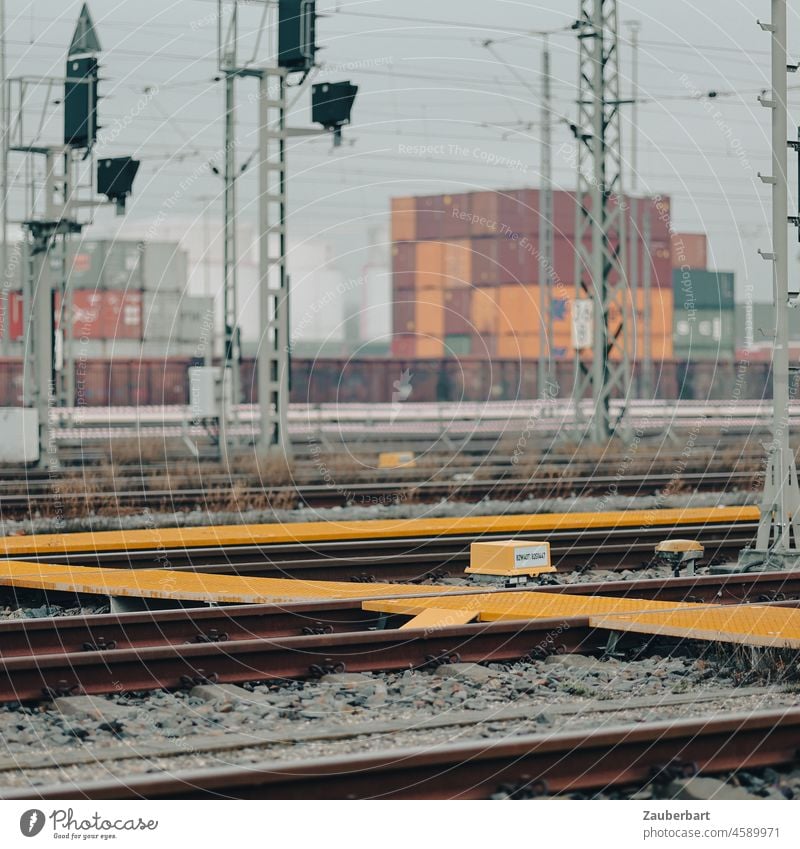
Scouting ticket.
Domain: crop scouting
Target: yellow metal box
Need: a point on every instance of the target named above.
(396, 459)
(510, 557)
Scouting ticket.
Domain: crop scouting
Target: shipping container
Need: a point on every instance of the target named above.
(165, 267)
(703, 290)
(404, 311)
(403, 345)
(456, 216)
(458, 312)
(689, 250)
(517, 259)
(429, 265)
(430, 217)
(404, 263)
(704, 334)
(519, 311)
(484, 316)
(15, 316)
(564, 214)
(429, 314)
(103, 314)
(123, 266)
(457, 263)
(161, 315)
(485, 261)
(404, 219)
(427, 346)
(86, 261)
(458, 344)
(485, 214)
(518, 212)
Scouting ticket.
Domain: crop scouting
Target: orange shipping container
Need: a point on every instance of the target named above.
(519, 309)
(484, 313)
(689, 250)
(404, 219)
(429, 314)
(427, 347)
(430, 265)
(457, 263)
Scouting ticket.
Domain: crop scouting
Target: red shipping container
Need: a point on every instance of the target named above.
(430, 216)
(404, 345)
(519, 259)
(564, 214)
(485, 261)
(689, 250)
(109, 314)
(403, 265)
(485, 209)
(518, 210)
(404, 311)
(457, 312)
(15, 318)
(455, 222)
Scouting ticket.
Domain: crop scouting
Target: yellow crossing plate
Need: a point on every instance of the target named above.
(193, 586)
(748, 624)
(229, 535)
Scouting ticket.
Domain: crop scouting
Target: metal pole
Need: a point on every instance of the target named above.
(5, 294)
(777, 539)
(634, 237)
(634, 27)
(545, 364)
(231, 343)
(273, 346)
(647, 310)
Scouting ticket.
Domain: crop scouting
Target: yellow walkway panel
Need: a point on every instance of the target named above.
(193, 586)
(230, 535)
(495, 606)
(747, 624)
(435, 617)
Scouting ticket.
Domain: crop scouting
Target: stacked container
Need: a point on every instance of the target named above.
(704, 323)
(466, 275)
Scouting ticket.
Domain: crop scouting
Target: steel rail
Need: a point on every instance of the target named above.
(350, 493)
(27, 637)
(412, 558)
(522, 767)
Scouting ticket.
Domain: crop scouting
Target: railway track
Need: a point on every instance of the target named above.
(522, 767)
(365, 494)
(174, 649)
(412, 558)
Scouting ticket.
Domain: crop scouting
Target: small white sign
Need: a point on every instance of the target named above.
(582, 323)
(532, 555)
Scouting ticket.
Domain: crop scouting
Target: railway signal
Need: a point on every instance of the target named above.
(52, 216)
(297, 30)
(331, 105)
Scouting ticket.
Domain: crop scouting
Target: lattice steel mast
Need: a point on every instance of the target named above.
(602, 355)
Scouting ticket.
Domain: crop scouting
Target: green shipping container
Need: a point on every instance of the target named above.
(695, 289)
(457, 344)
(704, 334)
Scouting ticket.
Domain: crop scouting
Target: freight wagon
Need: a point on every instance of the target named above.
(142, 382)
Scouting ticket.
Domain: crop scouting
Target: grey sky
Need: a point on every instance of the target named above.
(426, 80)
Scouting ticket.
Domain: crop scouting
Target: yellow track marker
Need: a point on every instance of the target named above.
(193, 586)
(495, 606)
(435, 617)
(751, 625)
(274, 534)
